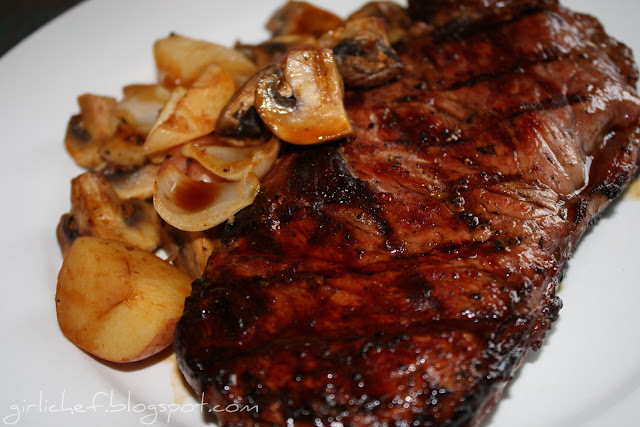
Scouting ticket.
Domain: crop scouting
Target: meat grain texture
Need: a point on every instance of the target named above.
(398, 277)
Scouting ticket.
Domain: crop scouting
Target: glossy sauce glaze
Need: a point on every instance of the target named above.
(399, 276)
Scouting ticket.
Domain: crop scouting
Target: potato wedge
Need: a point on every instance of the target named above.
(180, 60)
(118, 302)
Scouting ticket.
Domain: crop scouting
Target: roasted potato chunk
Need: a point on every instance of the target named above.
(118, 302)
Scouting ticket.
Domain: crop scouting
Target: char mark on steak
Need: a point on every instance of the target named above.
(398, 277)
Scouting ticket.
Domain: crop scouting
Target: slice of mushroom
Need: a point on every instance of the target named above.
(190, 250)
(96, 210)
(303, 104)
(140, 106)
(137, 183)
(396, 18)
(363, 53)
(124, 150)
(233, 163)
(180, 60)
(299, 17)
(239, 117)
(191, 113)
(192, 205)
(88, 131)
(67, 232)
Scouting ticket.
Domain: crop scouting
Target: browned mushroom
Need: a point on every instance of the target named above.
(396, 18)
(137, 183)
(88, 131)
(303, 102)
(363, 53)
(239, 118)
(299, 17)
(123, 151)
(96, 210)
(190, 250)
(67, 232)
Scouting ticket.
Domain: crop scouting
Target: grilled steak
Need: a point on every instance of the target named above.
(399, 276)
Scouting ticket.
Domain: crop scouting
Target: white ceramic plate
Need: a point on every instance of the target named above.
(587, 374)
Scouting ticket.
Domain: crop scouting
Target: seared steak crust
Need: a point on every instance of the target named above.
(398, 277)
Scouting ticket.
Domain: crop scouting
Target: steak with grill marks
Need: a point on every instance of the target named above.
(399, 276)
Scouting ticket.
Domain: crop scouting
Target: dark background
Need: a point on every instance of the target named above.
(19, 18)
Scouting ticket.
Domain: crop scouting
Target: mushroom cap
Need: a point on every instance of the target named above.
(303, 103)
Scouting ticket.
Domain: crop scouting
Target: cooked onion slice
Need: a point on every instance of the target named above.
(141, 104)
(192, 205)
(233, 163)
(191, 113)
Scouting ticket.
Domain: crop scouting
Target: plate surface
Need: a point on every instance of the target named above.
(587, 373)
